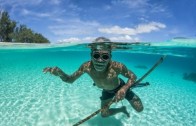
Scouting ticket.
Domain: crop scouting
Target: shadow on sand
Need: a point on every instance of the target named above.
(141, 67)
(190, 77)
(109, 121)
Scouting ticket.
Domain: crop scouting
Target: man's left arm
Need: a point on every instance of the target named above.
(131, 79)
(128, 74)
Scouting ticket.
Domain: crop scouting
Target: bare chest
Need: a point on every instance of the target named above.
(107, 80)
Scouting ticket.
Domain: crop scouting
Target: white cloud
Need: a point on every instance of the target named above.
(20, 3)
(141, 28)
(140, 5)
(131, 3)
(25, 12)
(41, 8)
(118, 30)
(74, 27)
(35, 14)
(72, 39)
(81, 28)
(125, 38)
(88, 39)
(152, 26)
(76, 39)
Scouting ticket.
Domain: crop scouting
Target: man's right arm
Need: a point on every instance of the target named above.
(65, 77)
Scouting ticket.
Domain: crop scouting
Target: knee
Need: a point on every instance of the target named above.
(139, 109)
(137, 105)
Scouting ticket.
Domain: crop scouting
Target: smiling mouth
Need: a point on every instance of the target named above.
(99, 65)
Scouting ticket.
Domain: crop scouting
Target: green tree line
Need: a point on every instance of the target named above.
(10, 31)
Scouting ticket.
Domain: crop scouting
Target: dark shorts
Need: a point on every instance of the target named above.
(108, 94)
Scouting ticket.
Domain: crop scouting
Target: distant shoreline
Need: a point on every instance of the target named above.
(11, 45)
(175, 42)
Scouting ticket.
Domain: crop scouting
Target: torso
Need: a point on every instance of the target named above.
(108, 79)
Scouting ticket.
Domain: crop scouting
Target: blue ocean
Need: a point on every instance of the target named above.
(28, 97)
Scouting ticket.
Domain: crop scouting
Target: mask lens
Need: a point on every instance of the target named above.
(105, 57)
(96, 55)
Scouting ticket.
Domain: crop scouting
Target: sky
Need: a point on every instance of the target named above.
(118, 20)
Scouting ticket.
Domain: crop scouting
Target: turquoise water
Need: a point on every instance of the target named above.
(30, 98)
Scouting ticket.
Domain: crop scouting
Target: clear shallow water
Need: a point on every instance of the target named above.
(30, 98)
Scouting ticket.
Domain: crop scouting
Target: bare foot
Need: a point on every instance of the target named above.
(124, 110)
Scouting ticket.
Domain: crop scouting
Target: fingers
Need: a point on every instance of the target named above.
(52, 70)
(119, 96)
(47, 69)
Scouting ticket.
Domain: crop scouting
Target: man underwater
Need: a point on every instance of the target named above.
(104, 72)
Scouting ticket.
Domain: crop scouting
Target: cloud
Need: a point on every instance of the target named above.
(141, 28)
(72, 39)
(41, 8)
(124, 38)
(75, 27)
(117, 30)
(143, 6)
(131, 3)
(152, 26)
(35, 14)
(20, 3)
(76, 39)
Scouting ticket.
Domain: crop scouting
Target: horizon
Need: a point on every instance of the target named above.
(118, 20)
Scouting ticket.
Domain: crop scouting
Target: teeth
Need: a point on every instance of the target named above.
(99, 64)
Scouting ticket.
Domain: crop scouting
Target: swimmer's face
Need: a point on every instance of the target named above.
(100, 59)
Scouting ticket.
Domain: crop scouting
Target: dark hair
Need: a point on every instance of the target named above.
(101, 43)
(101, 39)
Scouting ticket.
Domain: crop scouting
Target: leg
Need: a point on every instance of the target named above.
(112, 111)
(134, 100)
